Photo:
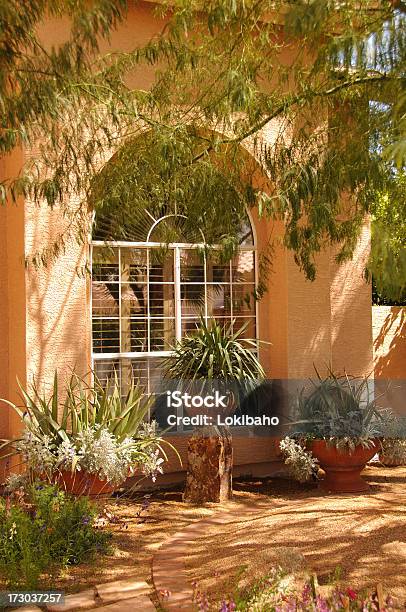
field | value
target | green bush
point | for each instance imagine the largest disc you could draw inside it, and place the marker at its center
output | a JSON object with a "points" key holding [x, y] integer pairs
{"points": [[45, 531]]}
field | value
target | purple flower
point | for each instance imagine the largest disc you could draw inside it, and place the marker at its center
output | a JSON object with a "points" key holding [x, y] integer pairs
{"points": [[306, 593], [321, 604]]}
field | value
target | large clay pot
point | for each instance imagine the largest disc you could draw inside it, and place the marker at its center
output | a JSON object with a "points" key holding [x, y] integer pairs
{"points": [[343, 469], [82, 483]]}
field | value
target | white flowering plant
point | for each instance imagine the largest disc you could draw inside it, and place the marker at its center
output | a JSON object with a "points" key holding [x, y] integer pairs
{"points": [[300, 462], [95, 430]]}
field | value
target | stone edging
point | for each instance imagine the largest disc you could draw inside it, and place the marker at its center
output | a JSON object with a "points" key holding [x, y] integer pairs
{"points": [[120, 595], [168, 567]]}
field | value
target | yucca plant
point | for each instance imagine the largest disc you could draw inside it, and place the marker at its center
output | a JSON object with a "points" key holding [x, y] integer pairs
{"points": [[215, 352]]}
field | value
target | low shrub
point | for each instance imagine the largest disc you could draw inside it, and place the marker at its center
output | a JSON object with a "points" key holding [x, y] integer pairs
{"points": [[43, 531]]}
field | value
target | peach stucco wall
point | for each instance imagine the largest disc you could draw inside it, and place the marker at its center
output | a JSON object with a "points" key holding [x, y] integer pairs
{"points": [[12, 301], [57, 309], [389, 334], [44, 314]]}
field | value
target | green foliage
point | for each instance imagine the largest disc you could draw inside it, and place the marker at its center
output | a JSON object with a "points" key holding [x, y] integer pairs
{"points": [[212, 62], [387, 263], [161, 178], [44, 532], [88, 427], [214, 352], [340, 409], [78, 405]]}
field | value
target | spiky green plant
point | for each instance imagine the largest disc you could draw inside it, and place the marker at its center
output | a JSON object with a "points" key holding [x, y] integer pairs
{"points": [[82, 405], [214, 352], [341, 410]]}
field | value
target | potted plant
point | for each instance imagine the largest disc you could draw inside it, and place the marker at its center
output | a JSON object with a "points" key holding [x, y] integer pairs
{"points": [[342, 427], [214, 357], [91, 441], [393, 451]]}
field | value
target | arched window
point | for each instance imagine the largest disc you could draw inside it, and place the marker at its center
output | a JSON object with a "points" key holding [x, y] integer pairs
{"points": [[147, 295]]}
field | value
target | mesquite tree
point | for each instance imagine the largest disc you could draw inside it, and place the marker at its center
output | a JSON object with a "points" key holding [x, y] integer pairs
{"points": [[222, 76]]}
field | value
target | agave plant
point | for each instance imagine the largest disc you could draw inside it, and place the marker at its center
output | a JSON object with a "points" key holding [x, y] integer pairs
{"points": [[92, 428], [340, 409]]}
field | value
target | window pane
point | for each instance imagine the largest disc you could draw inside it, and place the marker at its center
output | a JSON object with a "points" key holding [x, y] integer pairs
{"points": [[106, 336], [134, 335], [147, 371], [218, 300], [243, 299], [161, 300], [161, 264], [191, 266], [249, 322], [105, 264], [192, 299], [217, 271], [133, 299], [133, 265], [162, 333], [105, 299], [243, 267], [189, 326], [106, 370]]}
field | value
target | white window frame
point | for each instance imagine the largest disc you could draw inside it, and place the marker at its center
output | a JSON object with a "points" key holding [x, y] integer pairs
{"points": [[177, 248]]}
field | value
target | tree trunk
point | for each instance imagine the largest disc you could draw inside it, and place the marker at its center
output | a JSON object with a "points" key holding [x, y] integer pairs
{"points": [[210, 465]]}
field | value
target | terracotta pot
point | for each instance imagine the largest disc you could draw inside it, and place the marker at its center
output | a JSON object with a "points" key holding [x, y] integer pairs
{"points": [[388, 461], [343, 469], [82, 483]]}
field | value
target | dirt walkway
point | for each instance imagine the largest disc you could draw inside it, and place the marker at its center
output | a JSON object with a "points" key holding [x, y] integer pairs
{"points": [[360, 538]]}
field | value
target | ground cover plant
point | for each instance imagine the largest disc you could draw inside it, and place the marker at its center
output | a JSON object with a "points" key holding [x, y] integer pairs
{"points": [[42, 531]]}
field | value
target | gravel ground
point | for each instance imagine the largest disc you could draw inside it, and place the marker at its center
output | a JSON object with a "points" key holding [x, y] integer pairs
{"points": [[365, 535], [361, 539]]}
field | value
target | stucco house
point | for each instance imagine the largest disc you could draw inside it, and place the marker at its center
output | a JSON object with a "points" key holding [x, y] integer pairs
{"points": [[132, 307]]}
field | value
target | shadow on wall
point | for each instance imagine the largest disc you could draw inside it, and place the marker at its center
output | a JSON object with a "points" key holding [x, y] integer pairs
{"points": [[389, 327]]}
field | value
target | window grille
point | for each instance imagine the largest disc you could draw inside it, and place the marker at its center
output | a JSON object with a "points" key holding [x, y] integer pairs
{"points": [[148, 295]]}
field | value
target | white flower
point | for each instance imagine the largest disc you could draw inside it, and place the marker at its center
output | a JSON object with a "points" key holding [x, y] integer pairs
{"points": [[13, 531], [301, 463], [15, 482], [38, 452], [95, 450], [66, 454]]}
